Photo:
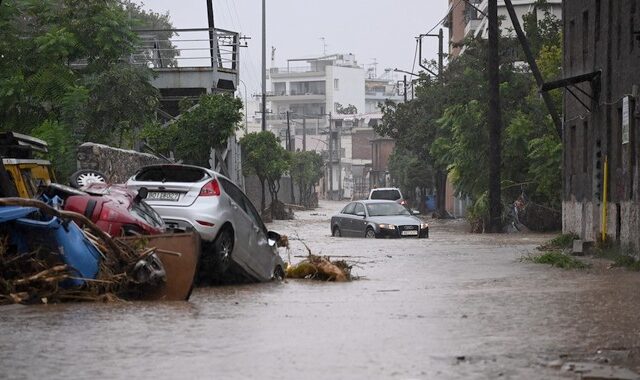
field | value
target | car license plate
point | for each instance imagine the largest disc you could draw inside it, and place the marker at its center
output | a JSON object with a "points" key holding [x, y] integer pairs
{"points": [[410, 233], [162, 196]]}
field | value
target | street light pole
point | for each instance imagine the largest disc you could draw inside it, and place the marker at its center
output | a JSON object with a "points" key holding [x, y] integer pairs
{"points": [[246, 106], [264, 66], [330, 158], [405, 88]]}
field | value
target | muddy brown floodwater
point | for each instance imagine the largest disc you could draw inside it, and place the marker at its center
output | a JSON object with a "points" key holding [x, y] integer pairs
{"points": [[456, 305]]}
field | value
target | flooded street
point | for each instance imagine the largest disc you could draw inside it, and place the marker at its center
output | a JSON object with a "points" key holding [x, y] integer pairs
{"points": [[452, 306]]}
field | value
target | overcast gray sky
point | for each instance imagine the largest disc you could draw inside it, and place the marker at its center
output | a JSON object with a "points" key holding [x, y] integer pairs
{"points": [[383, 30]]}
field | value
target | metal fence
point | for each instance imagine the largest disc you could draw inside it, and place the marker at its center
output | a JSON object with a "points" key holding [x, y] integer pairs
{"points": [[198, 47]]}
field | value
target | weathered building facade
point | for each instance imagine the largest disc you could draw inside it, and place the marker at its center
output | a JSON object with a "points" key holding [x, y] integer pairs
{"points": [[601, 69]]}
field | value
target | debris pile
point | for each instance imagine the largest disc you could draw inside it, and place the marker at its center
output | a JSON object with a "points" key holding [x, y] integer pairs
{"points": [[44, 273], [320, 268]]}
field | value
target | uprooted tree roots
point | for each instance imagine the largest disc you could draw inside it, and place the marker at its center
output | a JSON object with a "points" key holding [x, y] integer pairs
{"points": [[320, 268]]}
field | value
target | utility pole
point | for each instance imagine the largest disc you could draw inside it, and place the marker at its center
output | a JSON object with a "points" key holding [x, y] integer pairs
{"points": [[288, 133], [290, 149], [264, 66], [405, 88], [495, 121], [440, 53], [330, 158], [304, 133]]}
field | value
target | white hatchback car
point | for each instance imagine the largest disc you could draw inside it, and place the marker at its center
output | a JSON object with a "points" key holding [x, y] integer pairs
{"points": [[389, 194], [236, 241]]}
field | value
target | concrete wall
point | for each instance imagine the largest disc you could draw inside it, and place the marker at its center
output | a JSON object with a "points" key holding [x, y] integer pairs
{"points": [[361, 143], [594, 41], [117, 164], [585, 220], [350, 87]]}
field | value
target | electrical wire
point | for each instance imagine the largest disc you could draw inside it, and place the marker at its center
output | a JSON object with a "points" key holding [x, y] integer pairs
{"points": [[415, 58]]}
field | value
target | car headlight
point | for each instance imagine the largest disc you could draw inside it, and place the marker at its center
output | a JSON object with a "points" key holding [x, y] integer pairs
{"points": [[388, 226], [424, 226]]}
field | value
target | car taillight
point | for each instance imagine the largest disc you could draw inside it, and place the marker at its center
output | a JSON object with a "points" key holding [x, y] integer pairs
{"points": [[212, 188], [403, 202]]}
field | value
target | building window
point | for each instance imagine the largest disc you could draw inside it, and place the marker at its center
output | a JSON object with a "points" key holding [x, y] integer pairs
{"points": [[597, 26], [632, 35], [336, 84], [574, 147], [572, 35], [585, 38], [619, 30], [585, 146]]}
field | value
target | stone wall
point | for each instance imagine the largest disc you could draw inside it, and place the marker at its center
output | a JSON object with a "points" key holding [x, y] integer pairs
{"points": [[117, 164]]}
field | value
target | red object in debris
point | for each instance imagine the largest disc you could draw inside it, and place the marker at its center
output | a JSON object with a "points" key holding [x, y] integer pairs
{"points": [[116, 210]]}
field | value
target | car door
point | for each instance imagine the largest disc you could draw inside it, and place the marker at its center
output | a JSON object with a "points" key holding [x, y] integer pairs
{"points": [[263, 255], [242, 224], [346, 220], [359, 220]]}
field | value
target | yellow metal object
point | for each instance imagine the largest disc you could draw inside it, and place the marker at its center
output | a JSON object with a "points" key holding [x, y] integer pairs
{"points": [[604, 198], [28, 174]]}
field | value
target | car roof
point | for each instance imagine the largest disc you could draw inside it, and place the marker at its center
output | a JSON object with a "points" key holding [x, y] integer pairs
{"points": [[385, 188], [370, 201]]}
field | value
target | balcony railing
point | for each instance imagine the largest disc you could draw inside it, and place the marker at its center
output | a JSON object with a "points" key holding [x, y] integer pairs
{"points": [[188, 48], [295, 70]]}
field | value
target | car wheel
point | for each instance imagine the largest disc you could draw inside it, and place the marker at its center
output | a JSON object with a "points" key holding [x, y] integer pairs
{"points": [[223, 248], [370, 234], [278, 273], [336, 232], [84, 177]]}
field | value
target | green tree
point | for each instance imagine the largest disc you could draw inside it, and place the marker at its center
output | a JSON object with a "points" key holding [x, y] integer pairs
{"points": [[66, 62], [156, 47], [207, 124], [348, 110], [265, 158], [306, 170], [446, 125]]}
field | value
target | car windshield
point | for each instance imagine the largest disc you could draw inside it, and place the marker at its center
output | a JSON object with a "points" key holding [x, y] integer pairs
{"points": [[386, 209], [145, 212], [391, 194], [171, 174]]}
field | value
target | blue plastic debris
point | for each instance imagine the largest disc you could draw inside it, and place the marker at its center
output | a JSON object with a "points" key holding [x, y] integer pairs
{"points": [[60, 237]]}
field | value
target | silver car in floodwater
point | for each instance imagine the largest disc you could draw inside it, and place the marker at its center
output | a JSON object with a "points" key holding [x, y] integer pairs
{"points": [[378, 219], [236, 242]]}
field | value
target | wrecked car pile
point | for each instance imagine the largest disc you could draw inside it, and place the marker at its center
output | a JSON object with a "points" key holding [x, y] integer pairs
{"points": [[46, 257]]}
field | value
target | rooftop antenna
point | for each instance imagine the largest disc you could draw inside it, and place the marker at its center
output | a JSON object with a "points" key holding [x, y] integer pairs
{"points": [[324, 46], [375, 67], [273, 56]]}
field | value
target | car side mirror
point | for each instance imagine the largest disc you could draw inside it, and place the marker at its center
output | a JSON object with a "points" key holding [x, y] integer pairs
{"points": [[142, 194], [273, 238], [361, 213], [415, 212]]}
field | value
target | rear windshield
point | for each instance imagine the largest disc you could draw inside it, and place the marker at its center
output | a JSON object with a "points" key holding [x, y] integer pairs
{"points": [[171, 174], [392, 195]]}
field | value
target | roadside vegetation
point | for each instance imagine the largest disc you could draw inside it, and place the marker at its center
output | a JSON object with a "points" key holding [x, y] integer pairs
{"points": [[556, 252], [558, 259], [445, 126], [564, 241]]}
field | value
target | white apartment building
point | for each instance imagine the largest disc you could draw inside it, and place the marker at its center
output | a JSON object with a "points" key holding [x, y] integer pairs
{"points": [[312, 90]]}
